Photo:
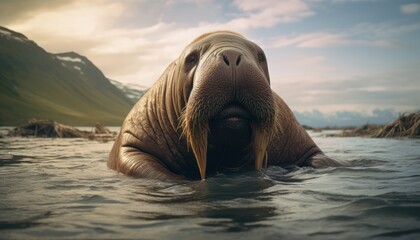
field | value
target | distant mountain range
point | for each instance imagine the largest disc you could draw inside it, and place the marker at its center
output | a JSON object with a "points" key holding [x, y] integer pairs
{"points": [[64, 87], [315, 118]]}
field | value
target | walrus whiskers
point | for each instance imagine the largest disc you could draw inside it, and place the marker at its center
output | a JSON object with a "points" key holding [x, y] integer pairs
{"points": [[195, 128]]}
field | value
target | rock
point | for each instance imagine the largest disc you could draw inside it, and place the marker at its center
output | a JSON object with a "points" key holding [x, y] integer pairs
{"points": [[47, 128]]}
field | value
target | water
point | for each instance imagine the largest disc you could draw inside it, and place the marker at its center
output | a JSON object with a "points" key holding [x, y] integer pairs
{"points": [[62, 189]]}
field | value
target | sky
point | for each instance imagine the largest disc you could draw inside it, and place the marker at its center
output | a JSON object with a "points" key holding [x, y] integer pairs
{"points": [[337, 55]]}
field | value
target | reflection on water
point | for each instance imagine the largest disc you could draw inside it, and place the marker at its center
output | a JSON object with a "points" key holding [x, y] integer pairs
{"points": [[61, 188]]}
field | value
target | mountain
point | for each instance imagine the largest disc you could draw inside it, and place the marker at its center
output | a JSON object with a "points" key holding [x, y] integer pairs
{"points": [[315, 118], [64, 87], [131, 90]]}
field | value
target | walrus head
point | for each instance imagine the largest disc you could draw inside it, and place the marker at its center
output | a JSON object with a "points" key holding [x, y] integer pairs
{"points": [[226, 88]]}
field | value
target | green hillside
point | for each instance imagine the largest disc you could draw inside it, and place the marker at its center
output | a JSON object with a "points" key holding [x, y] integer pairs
{"points": [[66, 87]]}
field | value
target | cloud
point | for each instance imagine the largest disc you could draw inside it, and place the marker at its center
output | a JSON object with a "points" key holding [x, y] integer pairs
{"points": [[13, 11], [312, 60], [310, 40], [121, 52], [267, 13], [410, 8], [140, 52], [134, 41], [382, 30], [363, 34], [325, 39], [76, 20], [393, 89]]}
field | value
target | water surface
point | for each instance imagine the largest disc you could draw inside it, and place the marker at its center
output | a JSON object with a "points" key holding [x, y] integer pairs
{"points": [[61, 188]]}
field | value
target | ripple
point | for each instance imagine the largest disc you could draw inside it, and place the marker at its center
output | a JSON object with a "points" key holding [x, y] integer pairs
{"points": [[326, 233], [401, 233], [93, 198], [395, 211], [25, 223], [60, 188], [11, 159]]}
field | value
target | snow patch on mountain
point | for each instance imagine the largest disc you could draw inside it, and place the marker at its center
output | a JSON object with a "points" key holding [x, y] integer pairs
{"points": [[133, 91], [70, 59], [79, 69], [13, 35], [5, 32]]}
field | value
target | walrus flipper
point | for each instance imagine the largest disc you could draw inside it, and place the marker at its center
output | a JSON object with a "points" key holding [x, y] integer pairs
{"points": [[143, 165], [320, 160], [126, 157]]}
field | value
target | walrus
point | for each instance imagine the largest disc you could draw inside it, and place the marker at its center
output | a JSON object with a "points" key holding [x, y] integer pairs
{"points": [[212, 110]]}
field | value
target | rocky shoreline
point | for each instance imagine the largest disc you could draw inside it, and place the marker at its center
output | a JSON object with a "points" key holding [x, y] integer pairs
{"points": [[51, 129], [406, 125]]}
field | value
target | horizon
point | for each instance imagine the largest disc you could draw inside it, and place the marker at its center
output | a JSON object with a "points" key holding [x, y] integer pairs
{"points": [[327, 56]]}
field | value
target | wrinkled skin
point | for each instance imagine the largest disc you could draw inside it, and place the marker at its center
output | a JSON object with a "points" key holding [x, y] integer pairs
{"points": [[211, 111]]}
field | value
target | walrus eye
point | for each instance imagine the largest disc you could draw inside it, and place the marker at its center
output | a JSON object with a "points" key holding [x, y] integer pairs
{"points": [[261, 57], [192, 59]]}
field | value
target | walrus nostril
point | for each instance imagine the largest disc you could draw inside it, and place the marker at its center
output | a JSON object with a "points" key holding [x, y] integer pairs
{"points": [[226, 59], [238, 60]]}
